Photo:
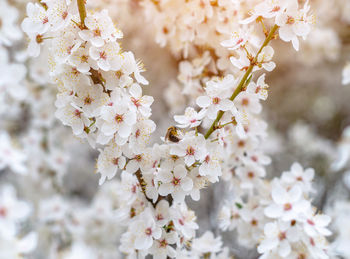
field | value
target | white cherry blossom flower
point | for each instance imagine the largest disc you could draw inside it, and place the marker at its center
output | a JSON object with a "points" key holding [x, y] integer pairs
{"points": [[117, 118], [141, 103], [278, 239], [109, 161], [293, 23], [100, 28], [107, 56], [130, 66], [207, 243], [90, 99], [217, 96], [161, 248], [176, 183], [184, 220], [247, 102], [37, 20], [146, 229], [190, 119], [191, 148], [73, 116], [237, 40], [298, 176], [59, 12], [317, 225], [265, 57], [81, 60], [266, 9], [141, 134], [287, 204], [260, 88], [162, 213]]}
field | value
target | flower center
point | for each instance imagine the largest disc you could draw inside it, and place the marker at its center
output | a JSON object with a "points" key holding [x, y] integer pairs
{"points": [[64, 15], [245, 101], [137, 133], [216, 100], [290, 20], [190, 151], [163, 243], [136, 102], [287, 206], [250, 175], [181, 222], [176, 181], [138, 158], [97, 32], [103, 55], [148, 231], [88, 100], [115, 160], [241, 143], [3, 212], [276, 9], [311, 222], [84, 59], [77, 113], [39, 38], [119, 118], [281, 236]]}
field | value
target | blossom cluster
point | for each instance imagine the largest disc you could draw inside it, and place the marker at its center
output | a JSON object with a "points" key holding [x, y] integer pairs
{"points": [[101, 99]]}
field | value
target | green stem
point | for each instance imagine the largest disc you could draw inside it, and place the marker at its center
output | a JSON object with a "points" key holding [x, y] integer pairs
{"points": [[82, 11], [242, 82]]}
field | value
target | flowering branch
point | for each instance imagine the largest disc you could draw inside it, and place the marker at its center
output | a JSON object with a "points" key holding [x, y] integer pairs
{"points": [[243, 80]]}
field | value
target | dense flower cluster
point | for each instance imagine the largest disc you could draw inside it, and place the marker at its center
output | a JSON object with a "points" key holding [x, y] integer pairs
{"points": [[225, 55]]}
